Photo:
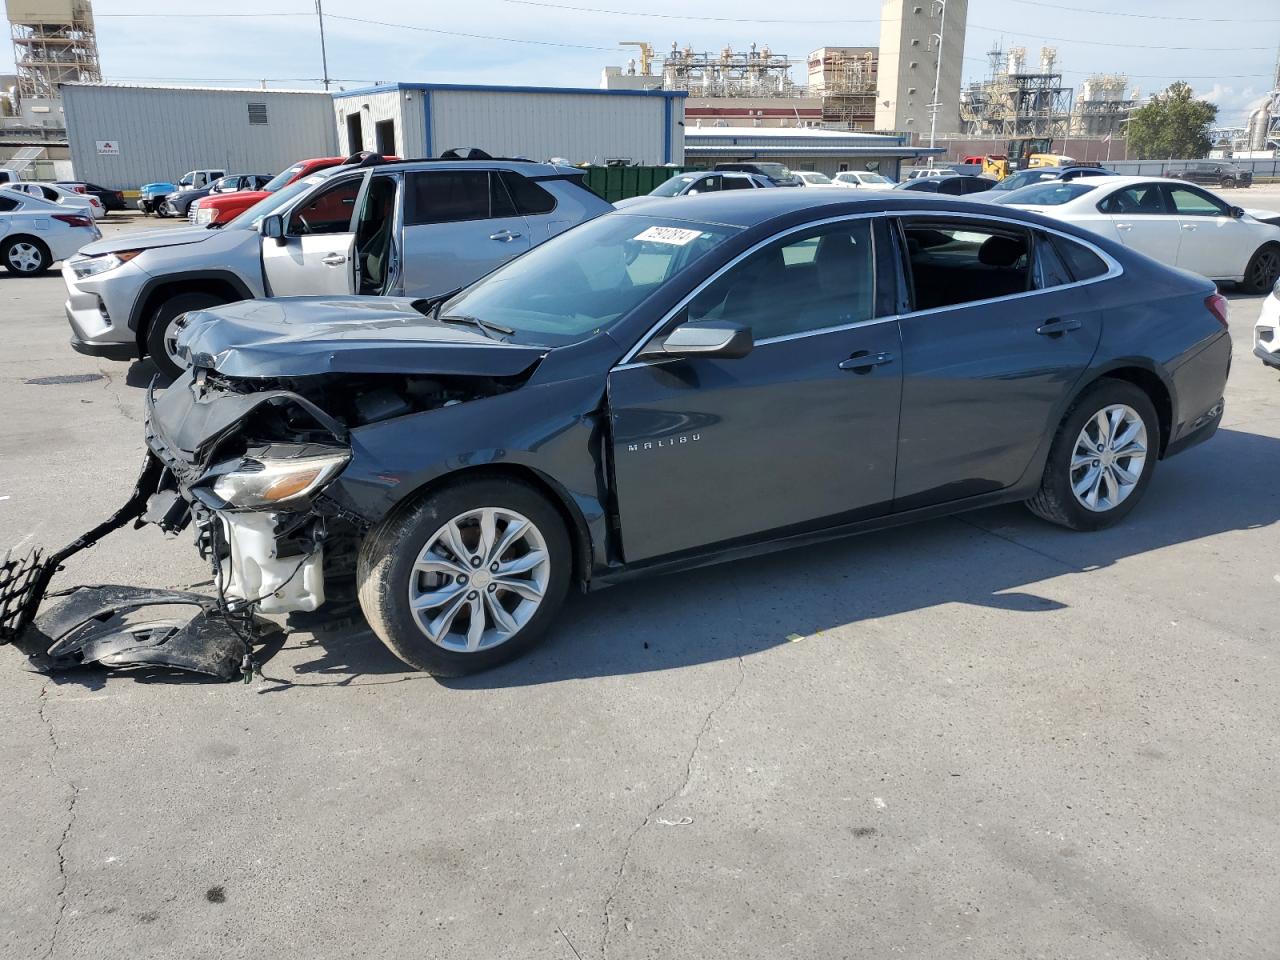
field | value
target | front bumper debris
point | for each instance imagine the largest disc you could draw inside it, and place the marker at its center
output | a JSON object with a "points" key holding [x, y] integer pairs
{"points": [[119, 625]]}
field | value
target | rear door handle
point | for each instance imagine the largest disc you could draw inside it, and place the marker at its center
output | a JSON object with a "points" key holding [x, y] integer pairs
{"points": [[506, 236], [1188, 226], [863, 361], [1056, 326], [334, 259]]}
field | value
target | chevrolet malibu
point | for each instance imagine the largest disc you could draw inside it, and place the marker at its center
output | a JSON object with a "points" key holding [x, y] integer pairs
{"points": [[687, 381]]}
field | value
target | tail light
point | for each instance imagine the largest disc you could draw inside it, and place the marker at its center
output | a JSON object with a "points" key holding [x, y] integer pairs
{"points": [[78, 188], [1220, 308], [74, 219]]}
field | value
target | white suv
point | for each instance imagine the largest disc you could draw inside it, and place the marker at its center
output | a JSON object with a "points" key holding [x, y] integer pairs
{"points": [[413, 228]]}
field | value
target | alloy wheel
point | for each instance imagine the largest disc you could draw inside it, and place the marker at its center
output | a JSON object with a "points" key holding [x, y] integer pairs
{"points": [[1266, 269], [1109, 457], [171, 341], [480, 578], [25, 257]]}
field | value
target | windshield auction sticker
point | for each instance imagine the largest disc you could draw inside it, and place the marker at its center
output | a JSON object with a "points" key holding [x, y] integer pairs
{"points": [[672, 235]]}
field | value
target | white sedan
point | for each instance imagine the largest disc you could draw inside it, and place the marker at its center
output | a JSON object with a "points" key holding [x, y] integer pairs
{"points": [[63, 196], [863, 180], [1266, 332], [34, 232], [811, 178], [1178, 223]]}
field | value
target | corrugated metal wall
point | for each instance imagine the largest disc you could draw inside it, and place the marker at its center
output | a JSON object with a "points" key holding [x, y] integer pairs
{"points": [[404, 108], [163, 132], [578, 126]]}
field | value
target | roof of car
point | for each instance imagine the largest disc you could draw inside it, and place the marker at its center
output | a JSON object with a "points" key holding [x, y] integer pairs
{"points": [[749, 208]]}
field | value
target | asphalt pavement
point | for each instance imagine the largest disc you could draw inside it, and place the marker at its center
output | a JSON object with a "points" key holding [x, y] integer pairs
{"points": [[979, 737]]}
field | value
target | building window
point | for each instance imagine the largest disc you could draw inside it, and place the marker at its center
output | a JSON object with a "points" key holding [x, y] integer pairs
{"points": [[257, 114]]}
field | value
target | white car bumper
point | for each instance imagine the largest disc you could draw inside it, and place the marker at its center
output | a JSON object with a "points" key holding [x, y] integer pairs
{"points": [[1266, 334]]}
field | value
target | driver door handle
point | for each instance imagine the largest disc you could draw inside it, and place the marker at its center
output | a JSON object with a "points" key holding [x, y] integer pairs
{"points": [[1056, 326], [334, 259], [506, 236], [863, 361], [1188, 226]]}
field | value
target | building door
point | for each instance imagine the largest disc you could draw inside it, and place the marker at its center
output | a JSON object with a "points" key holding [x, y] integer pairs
{"points": [[355, 134], [384, 135]]}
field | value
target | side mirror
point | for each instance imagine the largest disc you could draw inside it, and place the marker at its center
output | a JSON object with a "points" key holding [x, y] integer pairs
{"points": [[273, 227], [714, 339], [1237, 213]]}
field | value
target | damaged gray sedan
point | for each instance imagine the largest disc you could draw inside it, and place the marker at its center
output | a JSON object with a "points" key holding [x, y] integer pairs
{"points": [[681, 383]]}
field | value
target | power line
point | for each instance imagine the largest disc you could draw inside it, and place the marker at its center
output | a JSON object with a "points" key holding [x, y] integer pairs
{"points": [[1148, 16], [675, 16], [179, 16], [472, 36], [1103, 43]]}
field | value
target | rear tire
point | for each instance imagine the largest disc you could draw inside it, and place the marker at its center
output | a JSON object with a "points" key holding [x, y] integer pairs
{"points": [[1085, 464], [161, 331], [1263, 270], [25, 256], [411, 581]]}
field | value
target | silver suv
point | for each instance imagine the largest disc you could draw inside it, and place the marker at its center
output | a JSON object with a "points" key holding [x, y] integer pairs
{"points": [[371, 226]]}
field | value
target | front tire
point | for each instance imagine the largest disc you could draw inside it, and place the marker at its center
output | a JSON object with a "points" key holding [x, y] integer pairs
{"points": [[1227, 183], [467, 577], [25, 257], [1102, 458], [1263, 270], [163, 329]]}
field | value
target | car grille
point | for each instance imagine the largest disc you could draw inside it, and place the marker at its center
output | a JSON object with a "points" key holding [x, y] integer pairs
{"points": [[1265, 335], [191, 212]]}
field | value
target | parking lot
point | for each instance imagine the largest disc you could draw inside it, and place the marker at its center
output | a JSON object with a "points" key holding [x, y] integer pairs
{"points": [[976, 737]]}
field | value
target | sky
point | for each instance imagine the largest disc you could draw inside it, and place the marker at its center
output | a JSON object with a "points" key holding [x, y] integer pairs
{"points": [[1229, 61]]}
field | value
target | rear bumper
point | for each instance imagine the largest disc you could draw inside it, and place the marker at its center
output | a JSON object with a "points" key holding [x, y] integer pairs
{"points": [[1199, 431]]}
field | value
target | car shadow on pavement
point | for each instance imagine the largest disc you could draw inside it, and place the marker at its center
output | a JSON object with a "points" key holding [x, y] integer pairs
{"points": [[989, 558]]}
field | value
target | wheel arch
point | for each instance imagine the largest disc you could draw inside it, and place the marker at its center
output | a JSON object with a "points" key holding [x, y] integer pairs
{"points": [[1146, 379], [560, 498], [154, 293]]}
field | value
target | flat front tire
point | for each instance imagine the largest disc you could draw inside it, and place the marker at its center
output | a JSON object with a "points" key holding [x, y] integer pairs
{"points": [[467, 577], [162, 332], [1102, 458]]}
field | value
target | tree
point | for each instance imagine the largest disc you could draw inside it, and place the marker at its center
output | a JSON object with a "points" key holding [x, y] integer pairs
{"points": [[1172, 125]]}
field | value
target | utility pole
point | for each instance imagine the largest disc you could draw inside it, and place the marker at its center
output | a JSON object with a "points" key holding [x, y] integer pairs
{"points": [[937, 78], [324, 56]]}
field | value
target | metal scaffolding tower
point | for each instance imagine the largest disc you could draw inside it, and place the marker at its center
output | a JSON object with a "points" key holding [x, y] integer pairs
{"points": [[1015, 102], [53, 42]]}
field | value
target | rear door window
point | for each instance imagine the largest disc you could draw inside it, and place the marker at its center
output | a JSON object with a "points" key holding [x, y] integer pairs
{"points": [[447, 196], [1083, 262], [1049, 271], [1143, 198], [954, 263]]}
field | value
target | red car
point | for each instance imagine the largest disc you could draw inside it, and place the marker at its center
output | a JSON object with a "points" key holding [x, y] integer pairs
{"points": [[219, 210]]}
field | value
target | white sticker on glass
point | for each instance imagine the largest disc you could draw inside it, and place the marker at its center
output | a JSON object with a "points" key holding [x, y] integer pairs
{"points": [[672, 235]]}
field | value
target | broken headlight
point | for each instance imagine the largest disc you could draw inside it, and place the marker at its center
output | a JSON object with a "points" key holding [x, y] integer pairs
{"points": [[271, 478]]}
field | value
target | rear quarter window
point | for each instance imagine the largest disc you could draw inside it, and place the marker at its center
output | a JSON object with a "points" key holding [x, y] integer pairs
{"points": [[1083, 263], [531, 200]]}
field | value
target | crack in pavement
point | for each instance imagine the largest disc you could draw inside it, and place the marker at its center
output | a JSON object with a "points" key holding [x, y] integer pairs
{"points": [[66, 831], [649, 817]]}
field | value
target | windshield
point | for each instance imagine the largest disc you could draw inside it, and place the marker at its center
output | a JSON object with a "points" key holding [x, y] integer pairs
{"points": [[273, 202], [814, 177], [873, 178], [1051, 194], [282, 178], [673, 186], [585, 280]]}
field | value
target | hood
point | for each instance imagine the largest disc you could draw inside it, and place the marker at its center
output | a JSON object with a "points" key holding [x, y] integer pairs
{"points": [[305, 336], [241, 198], [148, 240]]}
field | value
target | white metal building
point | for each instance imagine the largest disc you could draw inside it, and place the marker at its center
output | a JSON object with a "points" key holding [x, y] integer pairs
{"points": [[124, 135], [581, 125], [826, 151]]}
